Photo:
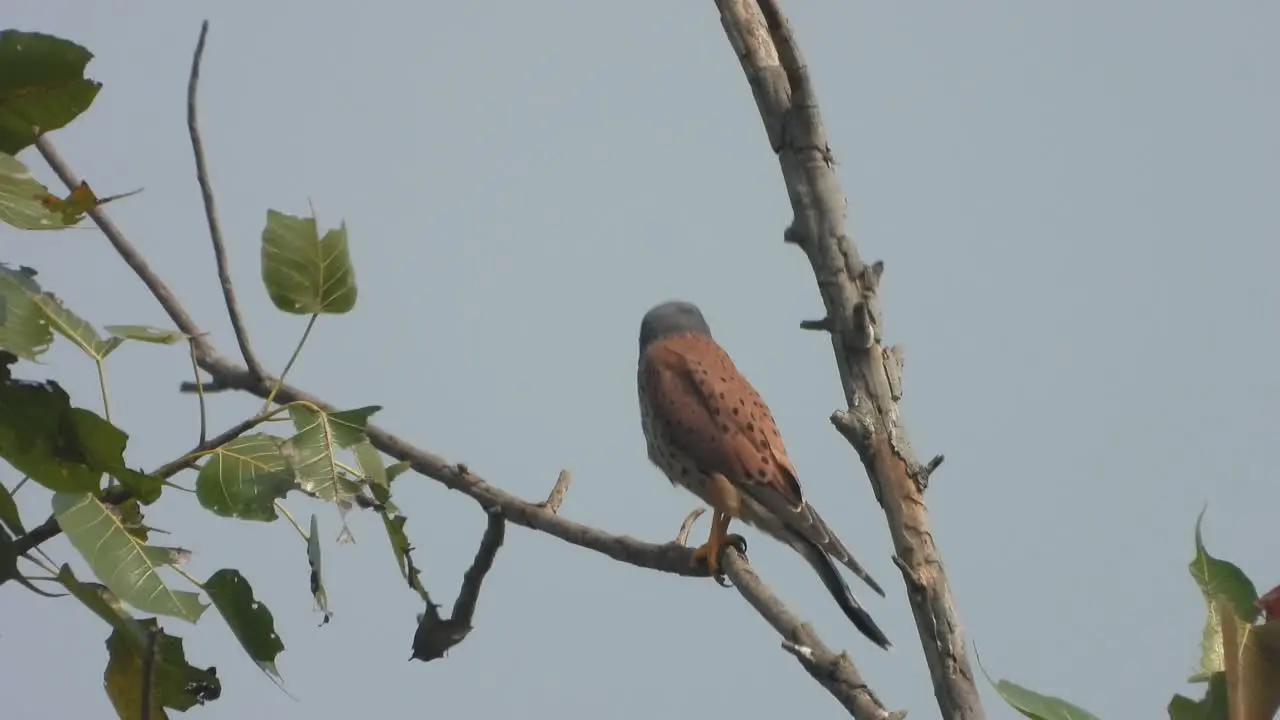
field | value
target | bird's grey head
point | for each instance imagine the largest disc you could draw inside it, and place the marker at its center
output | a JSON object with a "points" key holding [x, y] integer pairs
{"points": [[671, 318]]}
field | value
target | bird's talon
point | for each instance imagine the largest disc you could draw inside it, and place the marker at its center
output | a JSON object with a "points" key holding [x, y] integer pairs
{"points": [[722, 581], [705, 556], [737, 542]]}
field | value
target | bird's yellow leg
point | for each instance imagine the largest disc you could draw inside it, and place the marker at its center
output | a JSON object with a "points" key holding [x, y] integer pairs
{"points": [[709, 552]]}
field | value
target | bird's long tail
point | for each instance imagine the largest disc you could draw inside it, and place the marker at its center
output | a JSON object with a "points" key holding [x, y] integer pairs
{"points": [[836, 585]]}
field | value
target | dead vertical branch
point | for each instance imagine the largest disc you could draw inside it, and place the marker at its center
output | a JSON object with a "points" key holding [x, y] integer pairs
{"points": [[783, 91]]}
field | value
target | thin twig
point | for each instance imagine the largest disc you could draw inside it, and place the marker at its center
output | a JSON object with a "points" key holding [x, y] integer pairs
{"points": [[211, 213]]}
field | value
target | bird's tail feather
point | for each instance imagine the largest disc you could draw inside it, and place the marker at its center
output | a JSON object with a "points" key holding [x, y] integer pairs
{"points": [[836, 585]]}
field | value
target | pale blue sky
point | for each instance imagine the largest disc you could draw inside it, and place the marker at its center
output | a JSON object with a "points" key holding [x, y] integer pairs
{"points": [[1076, 203]]}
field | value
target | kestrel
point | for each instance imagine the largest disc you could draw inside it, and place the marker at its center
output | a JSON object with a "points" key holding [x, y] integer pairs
{"points": [[709, 432]]}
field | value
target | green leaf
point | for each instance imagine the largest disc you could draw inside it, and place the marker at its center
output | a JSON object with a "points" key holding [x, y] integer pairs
{"points": [[145, 488], [244, 478], [174, 682], [59, 318], [311, 450], [130, 514], [370, 461], [58, 446], [1213, 706], [104, 604], [1039, 707], [23, 329], [317, 579], [403, 552], [304, 273], [395, 470], [9, 512], [1218, 579], [145, 333], [126, 565], [249, 619], [42, 86], [23, 201], [75, 328]]}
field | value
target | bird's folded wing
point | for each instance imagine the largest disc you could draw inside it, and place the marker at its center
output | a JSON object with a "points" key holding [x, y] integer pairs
{"points": [[717, 419]]}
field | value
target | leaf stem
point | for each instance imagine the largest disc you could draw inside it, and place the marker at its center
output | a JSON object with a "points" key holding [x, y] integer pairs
{"points": [[195, 370], [188, 577], [296, 351], [106, 405], [289, 516], [102, 385]]}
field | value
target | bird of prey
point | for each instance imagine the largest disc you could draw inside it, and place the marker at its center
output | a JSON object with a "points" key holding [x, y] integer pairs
{"points": [[709, 432]]}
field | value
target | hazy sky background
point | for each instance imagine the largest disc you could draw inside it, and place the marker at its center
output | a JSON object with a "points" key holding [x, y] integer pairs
{"points": [[1076, 204]]}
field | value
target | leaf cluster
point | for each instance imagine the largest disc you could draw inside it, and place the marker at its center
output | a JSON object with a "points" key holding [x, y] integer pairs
{"points": [[97, 497]]}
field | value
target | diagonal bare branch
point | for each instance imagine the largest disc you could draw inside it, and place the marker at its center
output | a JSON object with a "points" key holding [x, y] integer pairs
{"points": [[836, 673], [869, 372], [211, 212]]}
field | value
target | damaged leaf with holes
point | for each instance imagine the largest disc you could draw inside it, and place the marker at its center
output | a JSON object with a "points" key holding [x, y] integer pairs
{"points": [[175, 683], [42, 88], [312, 450], [249, 619]]}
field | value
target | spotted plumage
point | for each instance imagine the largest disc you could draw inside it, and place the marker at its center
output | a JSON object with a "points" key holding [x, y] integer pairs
{"points": [[709, 432]]}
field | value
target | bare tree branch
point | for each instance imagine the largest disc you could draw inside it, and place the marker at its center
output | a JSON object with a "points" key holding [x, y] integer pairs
{"points": [[211, 212], [836, 673], [436, 635], [869, 372], [464, 608], [177, 313]]}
